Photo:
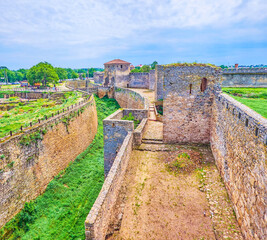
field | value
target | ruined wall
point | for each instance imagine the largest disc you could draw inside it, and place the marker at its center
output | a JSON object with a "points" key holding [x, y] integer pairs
{"points": [[99, 77], [139, 80], [130, 99], [102, 213], [29, 161], [152, 80], [187, 109], [159, 76], [77, 84], [245, 77], [238, 143], [115, 131]]}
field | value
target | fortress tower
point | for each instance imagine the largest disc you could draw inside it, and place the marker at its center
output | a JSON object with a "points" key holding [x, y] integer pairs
{"points": [[188, 92], [117, 73]]}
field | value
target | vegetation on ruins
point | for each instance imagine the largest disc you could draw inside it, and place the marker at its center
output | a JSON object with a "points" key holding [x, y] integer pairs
{"points": [[23, 113], [130, 117], [61, 211], [185, 64], [154, 64], [255, 98], [159, 109]]}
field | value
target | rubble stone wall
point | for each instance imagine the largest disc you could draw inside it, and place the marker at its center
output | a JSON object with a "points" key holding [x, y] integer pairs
{"points": [[238, 143], [187, 109], [30, 160], [139, 80]]}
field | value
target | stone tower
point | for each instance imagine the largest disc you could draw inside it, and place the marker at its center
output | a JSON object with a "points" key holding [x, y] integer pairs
{"points": [[117, 73], [188, 92]]}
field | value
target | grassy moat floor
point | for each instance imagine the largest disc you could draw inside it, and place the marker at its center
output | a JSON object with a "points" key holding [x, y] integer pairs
{"points": [[255, 98], [60, 212]]}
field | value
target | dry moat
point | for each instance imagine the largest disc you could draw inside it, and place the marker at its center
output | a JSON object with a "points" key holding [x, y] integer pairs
{"points": [[173, 192]]}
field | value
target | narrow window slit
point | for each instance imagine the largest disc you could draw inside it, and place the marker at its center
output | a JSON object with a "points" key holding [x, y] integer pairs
{"points": [[190, 88], [257, 132], [204, 84], [246, 122]]}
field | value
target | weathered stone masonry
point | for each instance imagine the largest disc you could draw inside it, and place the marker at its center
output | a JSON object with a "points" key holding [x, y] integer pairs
{"points": [[238, 142], [119, 138], [245, 77], [31, 160], [187, 107], [139, 80], [237, 134]]}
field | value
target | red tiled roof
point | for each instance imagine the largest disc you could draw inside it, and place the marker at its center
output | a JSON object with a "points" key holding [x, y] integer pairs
{"points": [[116, 61]]}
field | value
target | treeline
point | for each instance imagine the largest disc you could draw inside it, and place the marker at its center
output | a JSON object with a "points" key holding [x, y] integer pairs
{"points": [[12, 76], [145, 68]]}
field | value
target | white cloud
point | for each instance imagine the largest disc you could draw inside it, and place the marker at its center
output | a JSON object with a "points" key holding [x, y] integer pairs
{"points": [[96, 24]]}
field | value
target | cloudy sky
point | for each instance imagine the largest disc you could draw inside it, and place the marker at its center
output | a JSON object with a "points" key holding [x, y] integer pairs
{"points": [[87, 33]]}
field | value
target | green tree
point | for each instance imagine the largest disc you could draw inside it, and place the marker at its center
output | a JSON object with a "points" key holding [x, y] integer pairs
{"points": [[19, 76], [62, 73], [43, 73], [24, 72], [135, 70], [145, 68], [153, 65], [74, 75]]}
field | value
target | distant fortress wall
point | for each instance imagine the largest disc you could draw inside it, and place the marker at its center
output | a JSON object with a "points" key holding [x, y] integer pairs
{"points": [[245, 77]]}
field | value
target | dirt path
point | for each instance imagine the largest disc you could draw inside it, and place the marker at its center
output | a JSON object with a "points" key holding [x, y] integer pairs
{"points": [[174, 192]]}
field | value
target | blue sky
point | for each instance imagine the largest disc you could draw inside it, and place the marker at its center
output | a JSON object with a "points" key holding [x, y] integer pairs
{"points": [[87, 33]]}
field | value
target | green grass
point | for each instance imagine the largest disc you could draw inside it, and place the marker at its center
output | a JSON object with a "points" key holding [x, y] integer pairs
{"points": [[10, 86], [23, 113], [61, 211], [254, 98]]}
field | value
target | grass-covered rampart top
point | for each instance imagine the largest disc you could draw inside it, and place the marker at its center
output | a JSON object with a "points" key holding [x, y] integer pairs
{"points": [[194, 64], [60, 212], [255, 98], [23, 113]]}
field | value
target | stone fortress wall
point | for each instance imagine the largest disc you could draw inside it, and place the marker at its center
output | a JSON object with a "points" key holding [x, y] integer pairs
{"points": [[152, 79], [230, 78], [119, 139], [238, 143], [32, 158], [245, 77], [187, 107], [238, 138], [237, 134], [139, 80], [98, 77]]}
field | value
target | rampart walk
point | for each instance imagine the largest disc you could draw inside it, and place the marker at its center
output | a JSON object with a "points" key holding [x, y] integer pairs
{"points": [[32, 158]]}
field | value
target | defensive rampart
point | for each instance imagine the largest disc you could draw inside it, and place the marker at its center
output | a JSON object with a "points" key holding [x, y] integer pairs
{"points": [[119, 139], [238, 142], [139, 80], [30, 159], [187, 102], [128, 98], [245, 77]]}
